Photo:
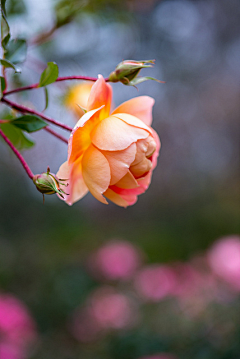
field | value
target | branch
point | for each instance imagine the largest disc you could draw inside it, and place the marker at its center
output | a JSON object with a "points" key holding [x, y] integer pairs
{"points": [[55, 134], [18, 154], [25, 109], [65, 78]]}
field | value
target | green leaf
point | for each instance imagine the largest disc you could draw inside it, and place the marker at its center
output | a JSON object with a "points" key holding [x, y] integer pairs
{"points": [[16, 7], [49, 75], [7, 63], [2, 85], [139, 80], [29, 123], [5, 30], [16, 136], [46, 98], [16, 51]]}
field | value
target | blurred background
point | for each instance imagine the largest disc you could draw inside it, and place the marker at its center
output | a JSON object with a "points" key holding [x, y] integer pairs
{"points": [[161, 279]]}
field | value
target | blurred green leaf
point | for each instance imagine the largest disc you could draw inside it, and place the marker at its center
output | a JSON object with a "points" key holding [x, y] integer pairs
{"points": [[29, 123], [49, 75], [16, 7], [16, 51], [5, 30], [46, 98], [2, 85], [9, 64], [16, 136]]}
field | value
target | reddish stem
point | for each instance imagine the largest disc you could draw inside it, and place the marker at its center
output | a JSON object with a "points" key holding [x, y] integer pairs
{"points": [[18, 154], [65, 78], [55, 134], [24, 109]]}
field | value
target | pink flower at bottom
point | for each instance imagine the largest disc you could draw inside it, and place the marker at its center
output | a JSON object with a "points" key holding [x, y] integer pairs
{"points": [[160, 356]]}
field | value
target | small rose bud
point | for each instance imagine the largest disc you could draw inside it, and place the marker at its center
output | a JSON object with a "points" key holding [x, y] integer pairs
{"points": [[127, 71], [49, 183]]}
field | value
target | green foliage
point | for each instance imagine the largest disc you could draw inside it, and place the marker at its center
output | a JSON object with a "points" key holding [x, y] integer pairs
{"points": [[29, 123], [46, 98], [49, 75], [16, 7], [16, 51], [7, 63], [2, 85], [5, 30], [16, 136]]}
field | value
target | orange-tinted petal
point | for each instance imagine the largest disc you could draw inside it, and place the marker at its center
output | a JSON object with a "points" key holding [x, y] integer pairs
{"points": [[96, 172], [141, 107], [120, 161], [141, 168], [133, 121], [128, 181], [115, 198], [113, 134], [101, 94], [76, 188], [80, 136]]}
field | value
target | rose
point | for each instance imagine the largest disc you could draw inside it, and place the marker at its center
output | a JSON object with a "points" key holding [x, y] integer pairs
{"points": [[111, 156]]}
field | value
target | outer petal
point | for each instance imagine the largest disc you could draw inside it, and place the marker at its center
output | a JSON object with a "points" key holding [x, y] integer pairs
{"points": [[80, 136], [158, 146], [141, 107], [113, 134], [133, 121], [101, 94], [115, 198], [76, 188], [96, 172], [120, 161]]}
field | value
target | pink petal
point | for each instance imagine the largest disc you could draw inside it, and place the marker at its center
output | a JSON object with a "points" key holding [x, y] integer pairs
{"points": [[115, 198], [128, 181], [158, 146], [96, 172], [141, 107], [101, 94], [80, 136], [113, 134], [76, 188], [133, 121], [120, 161]]}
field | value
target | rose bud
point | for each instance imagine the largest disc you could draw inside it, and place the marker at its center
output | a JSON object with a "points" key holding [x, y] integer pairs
{"points": [[112, 156], [127, 71], [49, 183]]}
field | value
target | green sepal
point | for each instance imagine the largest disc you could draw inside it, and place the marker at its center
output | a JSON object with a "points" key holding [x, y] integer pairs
{"points": [[139, 80]]}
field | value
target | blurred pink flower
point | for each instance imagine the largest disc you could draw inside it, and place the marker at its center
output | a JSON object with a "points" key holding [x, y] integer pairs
{"points": [[224, 260], [117, 259], [154, 282], [17, 329], [112, 309], [105, 310]]}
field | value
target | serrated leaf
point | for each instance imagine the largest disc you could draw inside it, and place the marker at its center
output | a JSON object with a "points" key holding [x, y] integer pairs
{"points": [[16, 51], [16, 136], [49, 75], [7, 63], [139, 80], [29, 123], [46, 98], [2, 85]]}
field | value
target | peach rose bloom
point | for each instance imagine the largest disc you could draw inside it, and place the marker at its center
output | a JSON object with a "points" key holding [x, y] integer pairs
{"points": [[112, 156]]}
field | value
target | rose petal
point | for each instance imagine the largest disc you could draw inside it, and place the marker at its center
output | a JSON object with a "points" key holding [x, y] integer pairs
{"points": [[115, 198], [96, 172], [76, 188], [141, 168], [141, 107], [101, 94], [158, 146], [80, 136], [133, 121], [113, 134], [120, 161], [128, 181]]}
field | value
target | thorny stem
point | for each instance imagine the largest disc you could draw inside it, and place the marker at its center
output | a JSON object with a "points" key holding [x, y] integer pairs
{"points": [[18, 154], [55, 134], [65, 78], [25, 109]]}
